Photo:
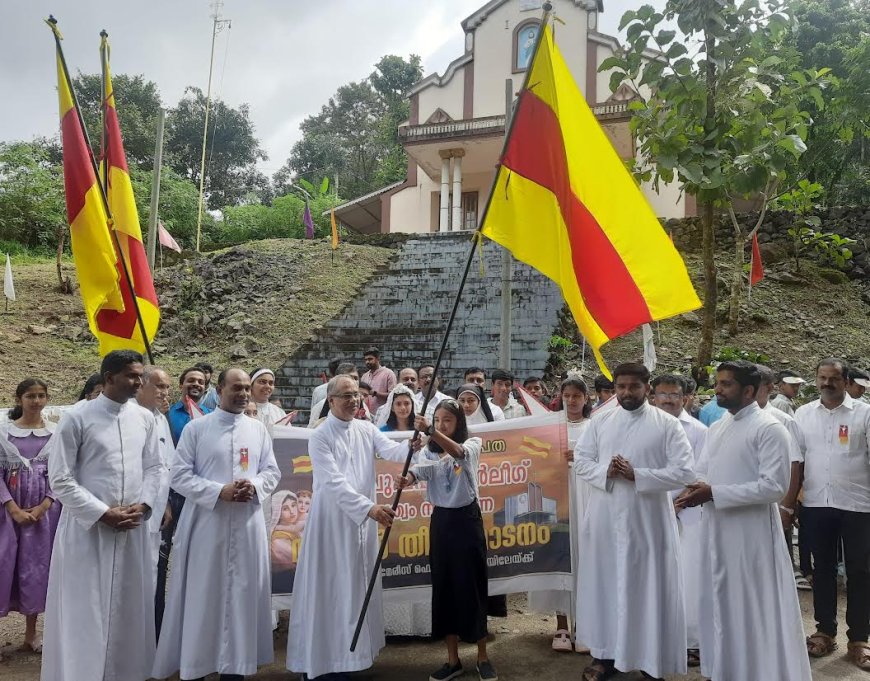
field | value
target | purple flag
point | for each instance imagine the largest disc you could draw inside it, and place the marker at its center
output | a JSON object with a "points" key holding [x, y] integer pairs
{"points": [[308, 222]]}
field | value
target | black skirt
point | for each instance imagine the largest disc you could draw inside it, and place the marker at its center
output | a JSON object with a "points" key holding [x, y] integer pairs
{"points": [[457, 554]]}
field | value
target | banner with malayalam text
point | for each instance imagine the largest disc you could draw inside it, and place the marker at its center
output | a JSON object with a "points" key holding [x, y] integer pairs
{"points": [[523, 484]]}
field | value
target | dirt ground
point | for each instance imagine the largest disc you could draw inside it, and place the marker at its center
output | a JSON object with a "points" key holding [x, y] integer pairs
{"points": [[520, 651]]}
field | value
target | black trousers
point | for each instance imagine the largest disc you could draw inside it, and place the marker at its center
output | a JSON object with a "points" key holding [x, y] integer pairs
{"points": [[825, 527], [176, 503]]}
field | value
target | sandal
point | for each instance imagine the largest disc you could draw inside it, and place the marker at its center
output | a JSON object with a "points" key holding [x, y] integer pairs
{"points": [[693, 657], [562, 641], [859, 654], [31, 647], [820, 644], [598, 671], [802, 583]]}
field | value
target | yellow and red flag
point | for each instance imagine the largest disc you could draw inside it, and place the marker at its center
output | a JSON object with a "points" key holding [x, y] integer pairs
{"points": [[90, 240], [118, 328], [564, 203]]}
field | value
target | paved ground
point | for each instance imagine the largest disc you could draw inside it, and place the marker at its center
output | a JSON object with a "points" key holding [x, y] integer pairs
{"points": [[520, 651]]}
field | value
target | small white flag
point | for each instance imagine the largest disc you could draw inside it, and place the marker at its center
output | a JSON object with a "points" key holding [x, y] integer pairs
{"points": [[649, 349], [8, 285]]}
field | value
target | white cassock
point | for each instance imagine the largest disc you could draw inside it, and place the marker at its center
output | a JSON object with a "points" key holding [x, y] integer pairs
{"points": [[562, 602], [99, 615], [338, 551], [689, 523], [751, 626], [167, 452], [220, 586], [630, 590]]}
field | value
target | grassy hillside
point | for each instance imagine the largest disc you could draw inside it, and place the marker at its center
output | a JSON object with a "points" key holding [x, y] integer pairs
{"points": [[255, 304], [252, 304]]}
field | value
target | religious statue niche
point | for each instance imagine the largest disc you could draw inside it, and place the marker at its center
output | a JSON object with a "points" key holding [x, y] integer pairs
{"points": [[525, 36]]}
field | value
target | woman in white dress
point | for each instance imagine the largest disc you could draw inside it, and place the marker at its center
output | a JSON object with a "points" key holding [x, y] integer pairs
{"points": [[577, 407]]}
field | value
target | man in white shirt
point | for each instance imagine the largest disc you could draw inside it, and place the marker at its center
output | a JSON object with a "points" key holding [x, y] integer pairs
{"points": [[344, 369], [789, 505], [218, 607], [836, 507], [153, 395], [424, 380], [319, 393], [606, 395], [750, 618], [857, 383], [502, 397], [630, 608], [341, 542], [670, 396], [105, 468]]}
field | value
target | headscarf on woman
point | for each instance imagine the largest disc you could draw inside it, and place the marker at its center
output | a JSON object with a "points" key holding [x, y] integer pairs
{"points": [[483, 414], [383, 415]]}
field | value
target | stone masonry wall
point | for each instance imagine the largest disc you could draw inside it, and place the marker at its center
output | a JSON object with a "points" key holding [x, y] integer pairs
{"points": [[403, 310]]}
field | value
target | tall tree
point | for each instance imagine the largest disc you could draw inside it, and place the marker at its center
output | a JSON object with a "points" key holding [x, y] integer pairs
{"points": [[837, 33], [138, 104], [355, 135], [232, 150], [32, 208], [724, 117]]}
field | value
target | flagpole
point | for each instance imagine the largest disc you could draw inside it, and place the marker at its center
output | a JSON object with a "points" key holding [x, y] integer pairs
{"points": [[52, 22], [476, 237], [751, 268]]}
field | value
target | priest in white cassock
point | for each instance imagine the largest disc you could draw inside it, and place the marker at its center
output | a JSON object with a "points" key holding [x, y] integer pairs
{"points": [[340, 545], [105, 469], [154, 395], [630, 609], [751, 625], [670, 396], [218, 607]]}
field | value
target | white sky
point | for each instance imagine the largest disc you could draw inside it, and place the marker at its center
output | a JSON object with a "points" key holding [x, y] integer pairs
{"points": [[284, 57]]}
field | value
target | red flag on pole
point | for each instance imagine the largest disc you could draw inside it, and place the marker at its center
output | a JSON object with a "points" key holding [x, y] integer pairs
{"points": [[756, 273]]}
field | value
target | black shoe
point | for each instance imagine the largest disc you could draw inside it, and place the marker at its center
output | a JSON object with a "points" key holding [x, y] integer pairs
{"points": [[446, 672], [486, 671]]}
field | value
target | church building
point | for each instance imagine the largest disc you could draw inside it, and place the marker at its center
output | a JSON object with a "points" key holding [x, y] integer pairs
{"points": [[456, 128]]}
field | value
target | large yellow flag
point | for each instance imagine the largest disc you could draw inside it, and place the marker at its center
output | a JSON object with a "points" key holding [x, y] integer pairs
{"points": [[564, 203], [91, 243], [119, 329]]}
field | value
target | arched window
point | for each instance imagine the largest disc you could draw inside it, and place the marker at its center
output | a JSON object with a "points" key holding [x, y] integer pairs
{"points": [[525, 35]]}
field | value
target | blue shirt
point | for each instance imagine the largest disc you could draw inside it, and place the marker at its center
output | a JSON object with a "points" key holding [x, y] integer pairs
{"points": [[178, 418], [210, 400], [711, 412]]}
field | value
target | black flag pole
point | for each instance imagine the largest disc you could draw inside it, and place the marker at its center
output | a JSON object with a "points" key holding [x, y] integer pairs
{"points": [[476, 237], [377, 569], [52, 23]]}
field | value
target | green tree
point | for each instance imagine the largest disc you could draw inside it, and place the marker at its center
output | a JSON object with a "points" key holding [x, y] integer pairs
{"points": [[355, 135], [138, 103], [837, 33], [32, 207], [232, 150], [724, 118], [178, 205]]}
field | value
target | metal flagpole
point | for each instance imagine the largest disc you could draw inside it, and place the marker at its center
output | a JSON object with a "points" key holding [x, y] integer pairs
{"points": [[218, 6], [155, 189], [477, 236], [52, 23], [506, 261]]}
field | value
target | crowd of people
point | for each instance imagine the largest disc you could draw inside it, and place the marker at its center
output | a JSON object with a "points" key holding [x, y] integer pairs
{"points": [[146, 530]]}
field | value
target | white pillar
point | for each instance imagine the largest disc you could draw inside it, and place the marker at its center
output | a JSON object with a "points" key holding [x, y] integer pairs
{"points": [[457, 189], [444, 219]]}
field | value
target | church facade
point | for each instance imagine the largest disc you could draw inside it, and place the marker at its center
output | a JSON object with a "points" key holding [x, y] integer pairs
{"points": [[456, 128]]}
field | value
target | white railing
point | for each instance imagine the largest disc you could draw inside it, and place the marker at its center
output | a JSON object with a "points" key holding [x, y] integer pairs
{"points": [[610, 109], [451, 128]]}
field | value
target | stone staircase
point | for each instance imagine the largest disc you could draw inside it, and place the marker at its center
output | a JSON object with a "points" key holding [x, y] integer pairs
{"points": [[404, 307]]}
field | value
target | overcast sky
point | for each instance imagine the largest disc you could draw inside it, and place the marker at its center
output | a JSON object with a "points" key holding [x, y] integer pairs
{"points": [[283, 57]]}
